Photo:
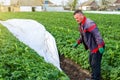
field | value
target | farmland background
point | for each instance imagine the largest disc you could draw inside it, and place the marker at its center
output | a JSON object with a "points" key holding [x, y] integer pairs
{"points": [[65, 30]]}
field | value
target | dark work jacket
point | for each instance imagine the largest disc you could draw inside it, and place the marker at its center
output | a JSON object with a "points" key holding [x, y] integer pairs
{"points": [[90, 35]]}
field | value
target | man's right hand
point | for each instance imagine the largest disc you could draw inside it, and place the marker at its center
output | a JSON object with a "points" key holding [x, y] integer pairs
{"points": [[75, 45]]}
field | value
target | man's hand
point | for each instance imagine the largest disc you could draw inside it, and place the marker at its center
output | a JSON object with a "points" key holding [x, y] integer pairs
{"points": [[101, 50], [75, 45]]}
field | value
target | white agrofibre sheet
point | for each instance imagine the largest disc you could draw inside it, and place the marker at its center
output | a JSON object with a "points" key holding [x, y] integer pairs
{"points": [[34, 34]]}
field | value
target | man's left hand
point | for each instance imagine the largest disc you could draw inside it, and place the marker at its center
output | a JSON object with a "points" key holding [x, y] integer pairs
{"points": [[101, 50]]}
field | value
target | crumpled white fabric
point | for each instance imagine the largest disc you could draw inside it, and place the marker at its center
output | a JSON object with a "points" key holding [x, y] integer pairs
{"points": [[34, 34]]}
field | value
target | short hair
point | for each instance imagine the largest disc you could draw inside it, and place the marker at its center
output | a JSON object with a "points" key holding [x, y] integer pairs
{"points": [[78, 11]]}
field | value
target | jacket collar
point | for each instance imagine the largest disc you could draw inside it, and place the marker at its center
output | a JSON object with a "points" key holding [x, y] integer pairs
{"points": [[83, 21]]}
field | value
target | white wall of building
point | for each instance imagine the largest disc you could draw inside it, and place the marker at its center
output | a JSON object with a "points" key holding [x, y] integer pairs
{"points": [[54, 9], [25, 8], [38, 8], [86, 8], [29, 8]]}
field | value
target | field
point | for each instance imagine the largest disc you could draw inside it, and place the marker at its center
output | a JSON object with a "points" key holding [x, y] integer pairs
{"points": [[65, 30]]}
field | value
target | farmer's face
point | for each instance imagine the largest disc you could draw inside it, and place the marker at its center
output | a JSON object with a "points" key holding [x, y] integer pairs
{"points": [[78, 17]]}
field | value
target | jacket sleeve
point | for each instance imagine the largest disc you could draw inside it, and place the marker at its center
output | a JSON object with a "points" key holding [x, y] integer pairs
{"points": [[79, 40], [96, 34]]}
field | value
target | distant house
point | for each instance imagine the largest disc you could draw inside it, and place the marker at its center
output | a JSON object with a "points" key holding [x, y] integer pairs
{"points": [[21, 5], [114, 5], [49, 6], [4, 5], [117, 4], [26, 5], [101, 2], [89, 5]]}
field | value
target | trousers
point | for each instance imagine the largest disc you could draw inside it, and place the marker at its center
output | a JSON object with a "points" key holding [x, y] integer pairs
{"points": [[95, 64]]}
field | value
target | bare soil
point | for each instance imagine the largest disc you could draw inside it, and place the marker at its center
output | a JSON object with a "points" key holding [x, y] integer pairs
{"points": [[73, 70]]}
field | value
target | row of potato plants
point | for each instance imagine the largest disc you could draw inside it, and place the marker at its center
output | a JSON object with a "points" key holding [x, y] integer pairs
{"points": [[19, 62]]}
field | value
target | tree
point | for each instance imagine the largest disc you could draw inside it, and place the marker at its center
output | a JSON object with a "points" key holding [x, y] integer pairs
{"points": [[72, 4]]}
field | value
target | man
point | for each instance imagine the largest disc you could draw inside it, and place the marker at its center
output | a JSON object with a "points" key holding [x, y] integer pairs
{"points": [[92, 40]]}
